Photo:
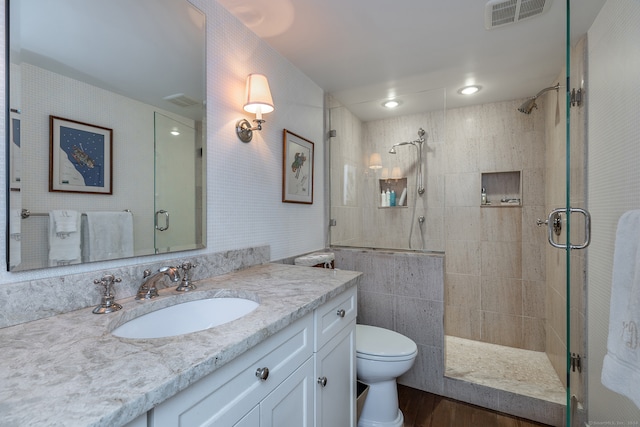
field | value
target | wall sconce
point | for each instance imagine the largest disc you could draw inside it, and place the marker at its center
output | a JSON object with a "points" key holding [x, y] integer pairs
{"points": [[375, 161], [258, 101]]}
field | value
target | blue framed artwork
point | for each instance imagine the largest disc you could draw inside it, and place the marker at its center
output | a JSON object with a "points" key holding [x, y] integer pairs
{"points": [[80, 158]]}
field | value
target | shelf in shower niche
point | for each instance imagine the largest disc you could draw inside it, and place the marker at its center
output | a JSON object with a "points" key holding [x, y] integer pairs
{"points": [[393, 207], [503, 189], [394, 184]]}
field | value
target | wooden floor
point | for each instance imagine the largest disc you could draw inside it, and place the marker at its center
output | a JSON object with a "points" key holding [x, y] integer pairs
{"points": [[423, 409]]}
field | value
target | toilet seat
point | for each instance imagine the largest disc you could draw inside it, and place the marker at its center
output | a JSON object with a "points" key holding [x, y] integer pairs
{"points": [[373, 343]]}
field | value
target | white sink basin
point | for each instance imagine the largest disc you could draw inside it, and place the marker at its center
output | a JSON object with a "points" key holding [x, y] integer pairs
{"points": [[186, 317]]}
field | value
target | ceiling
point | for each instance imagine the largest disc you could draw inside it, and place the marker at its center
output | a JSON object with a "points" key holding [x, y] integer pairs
{"points": [[135, 48], [366, 51]]}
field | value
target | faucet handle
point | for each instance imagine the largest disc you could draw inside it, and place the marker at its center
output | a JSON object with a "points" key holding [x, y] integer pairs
{"points": [[108, 304], [185, 284]]}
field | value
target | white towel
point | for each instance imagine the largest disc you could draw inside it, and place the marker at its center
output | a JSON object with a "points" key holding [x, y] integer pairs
{"points": [[64, 248], [107, 235], [621, 366], [65, 222]]}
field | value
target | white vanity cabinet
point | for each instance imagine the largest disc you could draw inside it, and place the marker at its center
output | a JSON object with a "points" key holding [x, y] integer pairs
{"points": [[335, 361], [319, 345]]}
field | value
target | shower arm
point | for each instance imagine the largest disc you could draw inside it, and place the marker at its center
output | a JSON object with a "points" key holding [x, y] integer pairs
{"points": [[556, 87]]}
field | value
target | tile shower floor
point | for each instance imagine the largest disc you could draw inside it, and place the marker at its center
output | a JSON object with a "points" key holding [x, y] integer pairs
{"points": [[524, 372]]}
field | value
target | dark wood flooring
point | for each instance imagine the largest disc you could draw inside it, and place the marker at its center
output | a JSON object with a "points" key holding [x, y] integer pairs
{"points": [[422, 409]]}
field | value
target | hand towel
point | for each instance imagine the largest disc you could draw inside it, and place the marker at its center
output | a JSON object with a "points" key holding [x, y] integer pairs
{"points": [[107, 235], [65, 222], [621, 366], [64, 248]]}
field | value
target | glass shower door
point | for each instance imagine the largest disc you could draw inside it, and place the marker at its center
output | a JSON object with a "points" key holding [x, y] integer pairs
{"points": [[175, 184]]}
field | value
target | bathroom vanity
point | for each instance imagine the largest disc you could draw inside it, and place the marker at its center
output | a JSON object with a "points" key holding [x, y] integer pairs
{"points": [[290, 362]]}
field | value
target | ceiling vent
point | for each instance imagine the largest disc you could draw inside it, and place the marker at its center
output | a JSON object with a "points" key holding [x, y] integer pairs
{"points": [[503, 12], [181, 99]]}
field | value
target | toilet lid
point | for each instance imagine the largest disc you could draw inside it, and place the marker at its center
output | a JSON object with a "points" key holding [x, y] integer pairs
{"points": [[380, 342]]}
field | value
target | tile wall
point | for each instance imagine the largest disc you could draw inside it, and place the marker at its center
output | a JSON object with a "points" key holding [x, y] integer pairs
{"points": [[495, 262]]}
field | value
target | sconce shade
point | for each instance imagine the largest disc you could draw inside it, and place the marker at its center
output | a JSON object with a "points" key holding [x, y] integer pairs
{"points": [[258, 95], [396, 173], [385, 173], [375, 161]]}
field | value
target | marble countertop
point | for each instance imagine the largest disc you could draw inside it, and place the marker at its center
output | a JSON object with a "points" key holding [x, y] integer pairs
{"points": [[68, 370]]}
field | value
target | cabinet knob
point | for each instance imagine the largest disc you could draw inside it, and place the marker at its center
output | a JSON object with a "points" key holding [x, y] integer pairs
{"points": [[262, 373], [322, 381], [341, 312]]}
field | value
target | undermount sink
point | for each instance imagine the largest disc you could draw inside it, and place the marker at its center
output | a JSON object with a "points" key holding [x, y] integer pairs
{"points": [[186, 317]]}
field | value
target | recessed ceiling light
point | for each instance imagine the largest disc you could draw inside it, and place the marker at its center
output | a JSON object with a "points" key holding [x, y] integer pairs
{"points": [[392, 103], [469, 90]]}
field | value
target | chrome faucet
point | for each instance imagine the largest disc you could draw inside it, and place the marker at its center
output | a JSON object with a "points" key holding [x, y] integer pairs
{"points": [[149, 288]]}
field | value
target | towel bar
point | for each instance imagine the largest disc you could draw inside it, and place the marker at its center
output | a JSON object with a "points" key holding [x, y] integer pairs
{"points": [[26, 213]]}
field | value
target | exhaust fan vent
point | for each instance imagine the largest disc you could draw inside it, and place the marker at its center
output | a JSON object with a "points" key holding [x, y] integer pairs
{"points": [[503, 12], [181, 100]]}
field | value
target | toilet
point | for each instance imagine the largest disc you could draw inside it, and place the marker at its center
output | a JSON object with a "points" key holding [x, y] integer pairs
{"points": [[381, 357]]}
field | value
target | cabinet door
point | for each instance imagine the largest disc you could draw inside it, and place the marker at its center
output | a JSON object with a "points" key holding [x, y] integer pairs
{"points": [[224, 397], [335, 397], [291, 403], [252, 419]]}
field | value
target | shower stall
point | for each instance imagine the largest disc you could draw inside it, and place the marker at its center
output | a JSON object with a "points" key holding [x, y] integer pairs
{"points": [[470, 280], [443, 254]]}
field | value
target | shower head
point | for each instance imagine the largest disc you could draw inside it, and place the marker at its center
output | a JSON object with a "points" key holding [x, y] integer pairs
{"points": [[393, 148], [528, 106], [530, 103], [420, 140]]}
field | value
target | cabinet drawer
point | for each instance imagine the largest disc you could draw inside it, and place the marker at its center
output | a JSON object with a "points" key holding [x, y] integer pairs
{"points": [[334, 315], [225, 396]]}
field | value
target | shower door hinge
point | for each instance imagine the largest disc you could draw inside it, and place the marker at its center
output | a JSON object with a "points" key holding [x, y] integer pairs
{"points": [[332, 222], [576, 97], [576, 362]]}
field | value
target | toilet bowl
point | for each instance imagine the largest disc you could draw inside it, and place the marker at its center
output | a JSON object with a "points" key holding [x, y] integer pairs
{"points": [[381, 357]]}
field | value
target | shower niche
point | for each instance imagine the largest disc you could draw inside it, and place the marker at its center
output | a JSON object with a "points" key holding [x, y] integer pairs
{"points": [[503, 189], [399, 185]]}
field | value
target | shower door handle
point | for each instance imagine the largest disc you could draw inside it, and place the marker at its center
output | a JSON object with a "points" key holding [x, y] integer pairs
{"points": [[554, 226], [166, 220], [587, 228]]}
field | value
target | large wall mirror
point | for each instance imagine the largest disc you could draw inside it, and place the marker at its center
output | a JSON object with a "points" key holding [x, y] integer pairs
{"points": [[106, 130]]}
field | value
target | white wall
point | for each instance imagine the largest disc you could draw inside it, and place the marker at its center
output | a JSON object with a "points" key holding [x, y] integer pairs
{"points": [[244, 205], [614, 180]]}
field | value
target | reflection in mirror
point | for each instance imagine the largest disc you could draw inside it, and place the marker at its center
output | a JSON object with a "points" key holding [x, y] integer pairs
{"points": [[136, 68]]}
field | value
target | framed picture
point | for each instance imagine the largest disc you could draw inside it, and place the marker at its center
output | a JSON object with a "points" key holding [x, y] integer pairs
{"points": [[297, 169], [80, 157]]}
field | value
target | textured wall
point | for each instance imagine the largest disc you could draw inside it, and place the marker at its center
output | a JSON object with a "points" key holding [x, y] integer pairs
{"points": [[614, 181]]}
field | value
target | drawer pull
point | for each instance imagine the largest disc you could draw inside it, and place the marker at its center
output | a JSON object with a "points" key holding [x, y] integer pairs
{"points": [[341, 312], [262, 373], [322, 381]]}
